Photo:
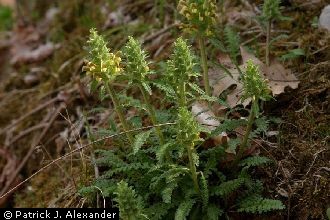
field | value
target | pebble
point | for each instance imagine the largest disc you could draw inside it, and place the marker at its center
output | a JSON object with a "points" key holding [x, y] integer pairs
{"points": [[324, 20]]}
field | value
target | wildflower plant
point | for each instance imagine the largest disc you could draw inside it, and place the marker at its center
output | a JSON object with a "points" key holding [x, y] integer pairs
{"points": [[256, 88], [270, 12], [200, 19], [181, 179], [104, 67], [137, 70]]}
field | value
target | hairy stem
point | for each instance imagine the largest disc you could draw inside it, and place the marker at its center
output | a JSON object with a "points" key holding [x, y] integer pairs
{"points": [[204, 66], [268, 41], [152, 114], [182, 94], [247, 132], [119, 111], [192, 167]]}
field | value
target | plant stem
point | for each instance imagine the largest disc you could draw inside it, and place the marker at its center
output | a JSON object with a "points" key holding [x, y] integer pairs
{"points": [[247, 133], [192, 167], [152, 114], [204, 66], [268, 41], [119, 111], [182, 94]]}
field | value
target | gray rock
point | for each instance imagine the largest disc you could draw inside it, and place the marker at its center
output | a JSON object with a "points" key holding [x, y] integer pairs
{"points": [[324, 21]]}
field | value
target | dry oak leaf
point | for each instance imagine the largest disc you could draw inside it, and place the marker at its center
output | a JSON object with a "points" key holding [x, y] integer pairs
{"points": [[206, 118], [221, 81], [278, 79], [28, 55]]}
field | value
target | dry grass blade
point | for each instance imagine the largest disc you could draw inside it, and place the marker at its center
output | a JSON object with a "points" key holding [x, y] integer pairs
{"points": [[6, 192]]}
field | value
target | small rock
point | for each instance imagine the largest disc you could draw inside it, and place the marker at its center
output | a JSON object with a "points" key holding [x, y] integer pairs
{"points": [[324, 21], [31, 79]]}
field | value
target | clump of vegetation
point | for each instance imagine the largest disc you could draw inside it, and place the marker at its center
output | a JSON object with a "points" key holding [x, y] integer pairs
{"points": [[270, 12], [179, 178], [6, 19]]}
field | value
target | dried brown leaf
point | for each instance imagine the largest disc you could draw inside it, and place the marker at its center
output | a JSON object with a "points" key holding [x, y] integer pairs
{"points": [[28, 55], [277, 76]]}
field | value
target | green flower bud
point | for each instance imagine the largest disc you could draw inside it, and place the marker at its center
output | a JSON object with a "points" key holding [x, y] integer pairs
{"points": [[254, 85], [136, 65], [271, 9], [181, 64]]}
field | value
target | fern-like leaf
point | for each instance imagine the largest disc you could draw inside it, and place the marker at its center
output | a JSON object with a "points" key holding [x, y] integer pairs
{"points": [[204, 191], [227, 187], [213, 212], [232, 43], [254, 161], [161, 152], [167, 192], [140, 139], [184, 209], [259, 205], [159, 210], [128, 202]]}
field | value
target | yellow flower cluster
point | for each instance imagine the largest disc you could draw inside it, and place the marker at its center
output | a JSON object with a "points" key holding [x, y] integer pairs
{"points": [[105, 70], [200, 15]]}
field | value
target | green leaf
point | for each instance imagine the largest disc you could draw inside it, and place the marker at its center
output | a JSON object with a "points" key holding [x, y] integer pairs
{"points": [[140, 139], [147, 88], [233, 43], [218, 44], [227, 187], [213, 212], [196, 88], [232, 145], [259, 205], [184, 209], [254, 161], [167, 192], [204, 191], [162, 151], [295, 53]]}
